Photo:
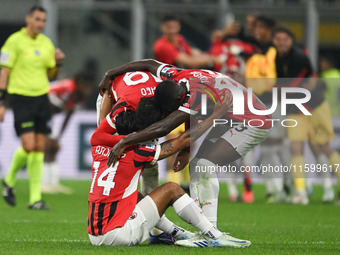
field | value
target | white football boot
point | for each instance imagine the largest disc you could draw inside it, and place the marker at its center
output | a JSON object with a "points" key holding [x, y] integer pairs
{"points": [[201, 241]]}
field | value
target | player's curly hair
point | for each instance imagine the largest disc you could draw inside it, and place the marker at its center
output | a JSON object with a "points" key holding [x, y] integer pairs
{"points": [[147, 113], [126, 122]]}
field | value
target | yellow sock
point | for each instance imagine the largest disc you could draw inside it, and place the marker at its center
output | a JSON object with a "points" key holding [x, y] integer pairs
{"points": [[18, 162], [174, 177], [185, 175], [335, 161], [35, 161], [298, 163]]}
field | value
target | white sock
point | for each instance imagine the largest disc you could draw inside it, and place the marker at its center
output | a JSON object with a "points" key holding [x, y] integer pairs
{"points": [[54, 174], [150, 179], [208, 189], [169, 227], [326, 176], [155, 231], [194, 180], [46, 175], [188, 211]]}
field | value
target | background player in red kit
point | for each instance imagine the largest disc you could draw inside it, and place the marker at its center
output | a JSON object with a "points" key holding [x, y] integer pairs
{"points": [[225, 145], [172, 47], [65, 96], [115, 218]]}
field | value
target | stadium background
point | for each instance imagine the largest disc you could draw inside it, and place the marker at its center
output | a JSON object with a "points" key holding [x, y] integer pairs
{"points": [[99, 35]]}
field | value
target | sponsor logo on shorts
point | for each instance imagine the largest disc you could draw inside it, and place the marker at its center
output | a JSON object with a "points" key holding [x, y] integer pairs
{"points": [[27, 124]]}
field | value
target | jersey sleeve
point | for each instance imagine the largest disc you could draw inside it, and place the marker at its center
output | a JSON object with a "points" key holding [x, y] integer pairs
{"points": [[147, 154], [104, 135], [165, 71], [120, 106], [9, 53], [188, 106], [50, 59]]}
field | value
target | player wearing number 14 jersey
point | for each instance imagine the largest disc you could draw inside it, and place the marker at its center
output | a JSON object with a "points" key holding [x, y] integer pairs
{"points": [[115, 217]]}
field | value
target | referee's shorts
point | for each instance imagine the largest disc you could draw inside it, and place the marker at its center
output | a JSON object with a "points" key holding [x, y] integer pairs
{"points": [[31, 114]]}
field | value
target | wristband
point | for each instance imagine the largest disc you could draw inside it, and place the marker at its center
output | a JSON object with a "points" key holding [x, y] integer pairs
{"points": [[165, 74], [3, 94]]}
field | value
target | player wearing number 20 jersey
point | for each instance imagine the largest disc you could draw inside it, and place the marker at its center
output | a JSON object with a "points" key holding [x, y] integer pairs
{"points": [[114, 190], [127, 90]]}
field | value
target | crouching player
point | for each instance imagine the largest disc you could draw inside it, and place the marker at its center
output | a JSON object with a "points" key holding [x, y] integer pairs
{"points": [[115, 217]]}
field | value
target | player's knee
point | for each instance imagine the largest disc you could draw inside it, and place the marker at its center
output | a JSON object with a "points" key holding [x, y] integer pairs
{"points": [[28, 146], [172, 186], [296, 149], [174, 190]]}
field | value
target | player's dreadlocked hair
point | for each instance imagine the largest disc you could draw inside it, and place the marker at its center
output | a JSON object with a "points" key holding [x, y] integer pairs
{"points": [[126, 122], [147, 113]]}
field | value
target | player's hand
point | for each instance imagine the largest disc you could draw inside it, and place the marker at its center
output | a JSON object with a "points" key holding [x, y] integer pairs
{"points": [[2, 112], [181, 160], [105, 85], [227, 103], [232, 29], [115, 153], [59, 56]]}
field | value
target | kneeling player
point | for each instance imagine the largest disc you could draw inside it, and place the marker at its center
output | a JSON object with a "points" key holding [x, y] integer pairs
{"points": [[115, 217]]}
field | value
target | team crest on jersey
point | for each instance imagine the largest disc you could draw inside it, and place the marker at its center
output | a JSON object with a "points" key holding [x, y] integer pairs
{"points": [[37, 52], [150, 146], [133, 215]]}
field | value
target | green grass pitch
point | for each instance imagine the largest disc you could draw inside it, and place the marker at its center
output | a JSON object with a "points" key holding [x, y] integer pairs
{"points": [[272, 228]]}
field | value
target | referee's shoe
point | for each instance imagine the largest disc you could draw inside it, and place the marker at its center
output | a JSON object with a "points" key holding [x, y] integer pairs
{"points": [[8, 194], [40, 205]]}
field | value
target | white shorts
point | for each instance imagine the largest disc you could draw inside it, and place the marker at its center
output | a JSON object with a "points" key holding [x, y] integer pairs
{"points": [[277, 131], [136, 229], [243, 138]]}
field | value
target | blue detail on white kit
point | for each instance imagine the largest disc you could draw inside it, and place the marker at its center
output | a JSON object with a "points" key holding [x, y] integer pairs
{"points": [[150, 146]]}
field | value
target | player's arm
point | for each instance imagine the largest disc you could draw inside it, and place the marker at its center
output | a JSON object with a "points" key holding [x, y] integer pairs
{"points": [[195, 61], [67, 118], [4, 74], [59, 58], [148, 65], [170, 147], [104, 136], [156, 130], [105, 106]]}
